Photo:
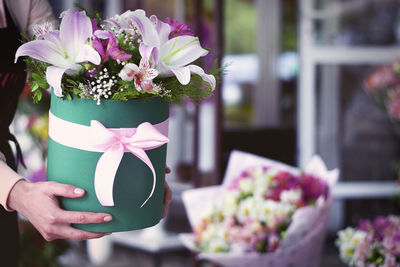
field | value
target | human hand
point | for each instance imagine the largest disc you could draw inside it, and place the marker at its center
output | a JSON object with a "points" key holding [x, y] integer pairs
{"points": [[38, 203], [167, 194]]}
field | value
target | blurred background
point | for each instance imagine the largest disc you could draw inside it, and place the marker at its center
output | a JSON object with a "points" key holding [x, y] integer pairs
{"points": [[293, 86]]}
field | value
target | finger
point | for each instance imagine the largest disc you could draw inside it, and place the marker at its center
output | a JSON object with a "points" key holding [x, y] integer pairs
{"points": [[167, 170], [82, 217], [76, 234], [63, 190], [167, 194]]}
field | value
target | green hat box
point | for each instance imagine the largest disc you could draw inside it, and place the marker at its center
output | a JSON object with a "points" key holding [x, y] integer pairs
{"points": [[133, 180]]}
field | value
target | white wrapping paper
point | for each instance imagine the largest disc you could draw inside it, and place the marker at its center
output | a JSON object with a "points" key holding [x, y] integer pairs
{"points": [[303, 242]]}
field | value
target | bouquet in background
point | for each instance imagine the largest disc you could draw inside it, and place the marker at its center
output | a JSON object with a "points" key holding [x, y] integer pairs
{"points": [[384, 86], [265, 213], [373, 243], [128, 56], [256, 210]]}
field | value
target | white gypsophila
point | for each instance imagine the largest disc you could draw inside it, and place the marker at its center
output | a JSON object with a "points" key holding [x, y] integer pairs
{"points": [[292, 196], [246, 185], [347, 241], [230, 203], [246, 209]]}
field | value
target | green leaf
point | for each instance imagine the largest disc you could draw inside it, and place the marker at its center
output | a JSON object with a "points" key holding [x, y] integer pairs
{"points": [[37, 96], [34, 87], [69, 97]]}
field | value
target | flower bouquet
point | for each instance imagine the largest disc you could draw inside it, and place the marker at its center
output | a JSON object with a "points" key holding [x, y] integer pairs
{"points": [[112, 81], [372, 243], [384, 86], [264, 214]]}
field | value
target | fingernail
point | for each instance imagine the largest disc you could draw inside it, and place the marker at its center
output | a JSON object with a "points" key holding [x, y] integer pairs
{"points": [[79, 191], [107, 218]]}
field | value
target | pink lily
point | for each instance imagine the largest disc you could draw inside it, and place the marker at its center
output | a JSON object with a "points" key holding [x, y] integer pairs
{"points": [[63, 49]]}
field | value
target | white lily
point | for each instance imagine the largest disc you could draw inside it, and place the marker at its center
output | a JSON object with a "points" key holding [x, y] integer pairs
{"points": [[63, 49], [171, 57]]}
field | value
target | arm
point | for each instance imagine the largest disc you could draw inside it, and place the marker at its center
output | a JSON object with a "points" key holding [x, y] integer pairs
{"points": [[38, 203], [7, 181]]}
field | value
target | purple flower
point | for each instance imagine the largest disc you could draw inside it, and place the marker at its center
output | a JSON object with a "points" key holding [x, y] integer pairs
{"points": [[313, 187], [282, 181], [94, 24], [178, 28], [106, 45], [38, 176]]}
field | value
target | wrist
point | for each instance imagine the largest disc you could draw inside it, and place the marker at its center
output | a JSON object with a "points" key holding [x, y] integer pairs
{"points": [[17, 193]]}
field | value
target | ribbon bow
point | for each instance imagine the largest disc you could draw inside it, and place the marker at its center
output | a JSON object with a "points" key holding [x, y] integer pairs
{"points": [[115, 143]]}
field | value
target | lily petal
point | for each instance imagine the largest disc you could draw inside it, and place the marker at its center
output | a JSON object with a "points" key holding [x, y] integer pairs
{"points": [[42, 50], [182, 74], [75, 30], [206, 77], [88, 53], [53, 77], [162, 28], [181, 50], [149, 53], [146, 27]]}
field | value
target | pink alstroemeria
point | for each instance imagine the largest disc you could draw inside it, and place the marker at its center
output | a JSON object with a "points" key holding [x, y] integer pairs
{"points": [[106, 45], [63, 49], [142, 75]]}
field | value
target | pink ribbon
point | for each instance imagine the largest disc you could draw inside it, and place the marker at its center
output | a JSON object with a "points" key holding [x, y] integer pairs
{"points": [[114, 142]]}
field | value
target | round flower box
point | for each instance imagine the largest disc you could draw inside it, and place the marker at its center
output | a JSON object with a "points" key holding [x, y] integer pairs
{"points": [[133, 180]]}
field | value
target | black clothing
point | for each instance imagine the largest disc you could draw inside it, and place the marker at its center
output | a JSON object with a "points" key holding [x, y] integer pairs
{"points": [[12, 81]]}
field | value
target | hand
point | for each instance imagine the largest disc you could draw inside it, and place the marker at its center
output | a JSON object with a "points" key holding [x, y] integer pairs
{"points": [[38, 203], [167, 194]]}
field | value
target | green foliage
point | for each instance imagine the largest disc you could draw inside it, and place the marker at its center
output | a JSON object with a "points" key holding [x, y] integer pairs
{"points": [[38, 79]]}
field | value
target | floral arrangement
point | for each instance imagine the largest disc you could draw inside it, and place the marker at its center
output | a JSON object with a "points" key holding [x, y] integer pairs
{"points": [[128, 56], [384, 86], [256, 210], [373, 243]]}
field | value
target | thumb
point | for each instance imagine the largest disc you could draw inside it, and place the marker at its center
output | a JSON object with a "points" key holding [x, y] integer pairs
{"points": [[63, 190]]}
